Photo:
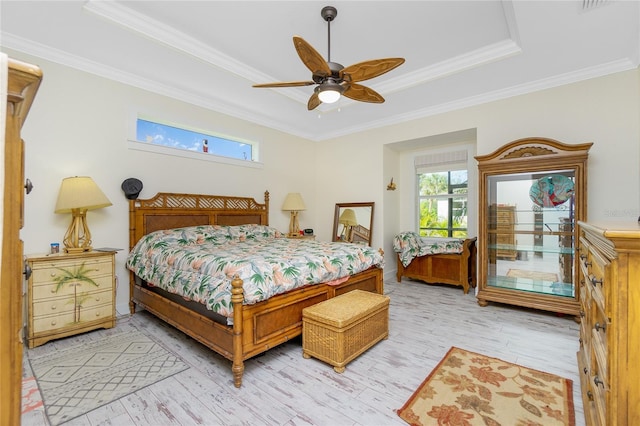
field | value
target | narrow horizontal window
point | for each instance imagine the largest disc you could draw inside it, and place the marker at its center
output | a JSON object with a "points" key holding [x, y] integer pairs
{"points": [[193, 142]]}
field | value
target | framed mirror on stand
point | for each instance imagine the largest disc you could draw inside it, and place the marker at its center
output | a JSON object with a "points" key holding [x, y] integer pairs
{"points": [[353, 223]]}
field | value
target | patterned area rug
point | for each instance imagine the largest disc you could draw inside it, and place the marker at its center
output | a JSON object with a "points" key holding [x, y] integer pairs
{"points": [[467, 388], [81, 378], [541, 276]]}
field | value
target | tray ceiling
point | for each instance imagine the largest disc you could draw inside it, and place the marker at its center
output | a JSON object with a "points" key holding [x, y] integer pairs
{"points": [[209, 53]]}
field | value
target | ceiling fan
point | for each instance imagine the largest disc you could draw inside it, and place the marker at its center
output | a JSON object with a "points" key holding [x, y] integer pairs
{"points": [[333, 79]]}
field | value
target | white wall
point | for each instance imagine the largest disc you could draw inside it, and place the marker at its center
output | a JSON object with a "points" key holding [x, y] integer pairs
{"points": [[605, 111], [77, 125]]}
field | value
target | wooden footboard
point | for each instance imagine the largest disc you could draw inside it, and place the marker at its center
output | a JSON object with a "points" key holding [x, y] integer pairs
{"points": [[454, 269], [257, 328]]}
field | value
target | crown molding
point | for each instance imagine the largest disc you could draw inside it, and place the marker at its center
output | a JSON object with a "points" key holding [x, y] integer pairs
{"points": [[496, 95]]}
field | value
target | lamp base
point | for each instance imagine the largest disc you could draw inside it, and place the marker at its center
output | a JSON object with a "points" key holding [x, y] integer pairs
{"points": [[75, 250]]}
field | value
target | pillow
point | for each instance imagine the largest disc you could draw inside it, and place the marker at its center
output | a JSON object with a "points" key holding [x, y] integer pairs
{"points": [[252, 232]]}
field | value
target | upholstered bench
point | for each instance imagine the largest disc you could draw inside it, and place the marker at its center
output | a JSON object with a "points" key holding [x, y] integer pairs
{"points": [[337, 330]]}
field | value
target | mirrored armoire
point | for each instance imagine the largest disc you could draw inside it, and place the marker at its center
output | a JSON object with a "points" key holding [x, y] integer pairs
{"points": [[532, 193]]}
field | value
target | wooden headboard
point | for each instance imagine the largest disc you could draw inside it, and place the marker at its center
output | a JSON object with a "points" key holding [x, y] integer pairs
{"points": [[167, 211]]}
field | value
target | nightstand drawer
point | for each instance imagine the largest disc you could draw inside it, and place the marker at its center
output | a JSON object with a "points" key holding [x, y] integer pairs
{"points": [[47, 272], [64, 304], [49, 290], [72, 318]]}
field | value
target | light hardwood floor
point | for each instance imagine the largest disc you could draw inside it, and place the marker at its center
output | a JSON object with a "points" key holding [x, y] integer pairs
{"points": [[283, 388]]}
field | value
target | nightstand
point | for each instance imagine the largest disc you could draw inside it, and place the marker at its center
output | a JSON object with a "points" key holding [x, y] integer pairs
{"points": [[69, 294]]}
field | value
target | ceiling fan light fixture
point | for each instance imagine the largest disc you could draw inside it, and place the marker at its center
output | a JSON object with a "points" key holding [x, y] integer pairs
{"points": [[329, 92], [332, 80]]}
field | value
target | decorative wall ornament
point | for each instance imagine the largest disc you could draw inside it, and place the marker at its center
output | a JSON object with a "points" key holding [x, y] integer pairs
{"points": [[391, 186]]}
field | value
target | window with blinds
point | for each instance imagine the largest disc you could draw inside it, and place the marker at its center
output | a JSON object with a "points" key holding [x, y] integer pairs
{"points": [[442, 180]]}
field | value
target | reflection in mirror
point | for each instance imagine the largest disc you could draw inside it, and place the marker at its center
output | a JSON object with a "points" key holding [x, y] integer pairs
{"points": [[530, 235], [353, 222]]}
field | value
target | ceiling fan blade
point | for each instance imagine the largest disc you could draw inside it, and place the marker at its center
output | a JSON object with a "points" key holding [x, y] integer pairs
{"points": [[286, 84], [358, 92], [370, 69], [314, 101], [311, 58]]}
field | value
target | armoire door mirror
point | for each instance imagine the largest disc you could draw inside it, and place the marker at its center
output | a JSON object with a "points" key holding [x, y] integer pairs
{"points": [[353, 222]]}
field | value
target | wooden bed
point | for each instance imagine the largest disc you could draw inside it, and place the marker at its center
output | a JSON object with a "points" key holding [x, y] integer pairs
{"points": [[256, 328], [456, 269]]}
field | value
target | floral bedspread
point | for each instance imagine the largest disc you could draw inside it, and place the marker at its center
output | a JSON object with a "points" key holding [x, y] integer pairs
{"points": [[409, 245], [199, 262]]}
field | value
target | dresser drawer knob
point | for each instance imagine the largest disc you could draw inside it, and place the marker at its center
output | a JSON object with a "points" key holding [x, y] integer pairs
{"points": [[585, 370], [53, 308], [583, 256], [597, 381], [54, 322], [597, 326], [590, 395], [595, 281]]}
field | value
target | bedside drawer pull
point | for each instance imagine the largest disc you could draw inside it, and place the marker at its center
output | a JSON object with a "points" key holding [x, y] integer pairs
{"points": [[585, 370], [597, 381], [581, 314], [583, 256], [595, 281], [597, 326], [590, 395], [28, 186], [27, 270]]}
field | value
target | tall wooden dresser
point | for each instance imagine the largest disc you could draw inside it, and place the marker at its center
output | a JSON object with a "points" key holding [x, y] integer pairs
{"points": [[609, 356], [23, 82]]}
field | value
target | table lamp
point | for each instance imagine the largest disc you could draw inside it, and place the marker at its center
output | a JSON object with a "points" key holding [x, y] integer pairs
{"points": [[293, 203], [76, 196], [348, 220]]}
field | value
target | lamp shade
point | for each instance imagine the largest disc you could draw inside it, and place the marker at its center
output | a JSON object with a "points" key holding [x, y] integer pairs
{"points": [[80, 192], [293, 202], [348, 218]]}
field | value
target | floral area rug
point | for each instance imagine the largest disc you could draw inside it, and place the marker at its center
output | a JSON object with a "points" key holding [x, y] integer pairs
{"points": [[467, 388], [81, 378]]}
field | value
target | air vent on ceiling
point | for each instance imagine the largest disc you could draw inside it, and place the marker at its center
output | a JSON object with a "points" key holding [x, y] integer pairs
{"points": [[592, 4]]}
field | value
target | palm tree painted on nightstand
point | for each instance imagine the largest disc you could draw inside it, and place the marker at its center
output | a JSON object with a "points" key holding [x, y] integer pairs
{"points": [[75, 277]]}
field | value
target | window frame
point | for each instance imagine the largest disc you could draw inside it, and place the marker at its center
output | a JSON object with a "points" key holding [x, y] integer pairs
{"points": [[134, 144], [449, 196]]}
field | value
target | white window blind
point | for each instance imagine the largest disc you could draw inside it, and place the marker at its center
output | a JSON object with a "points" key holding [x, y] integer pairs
{"points": [[441, 160]]}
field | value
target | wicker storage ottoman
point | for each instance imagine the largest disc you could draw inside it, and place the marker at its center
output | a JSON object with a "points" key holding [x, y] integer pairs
{"points": [[337, 330]]}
